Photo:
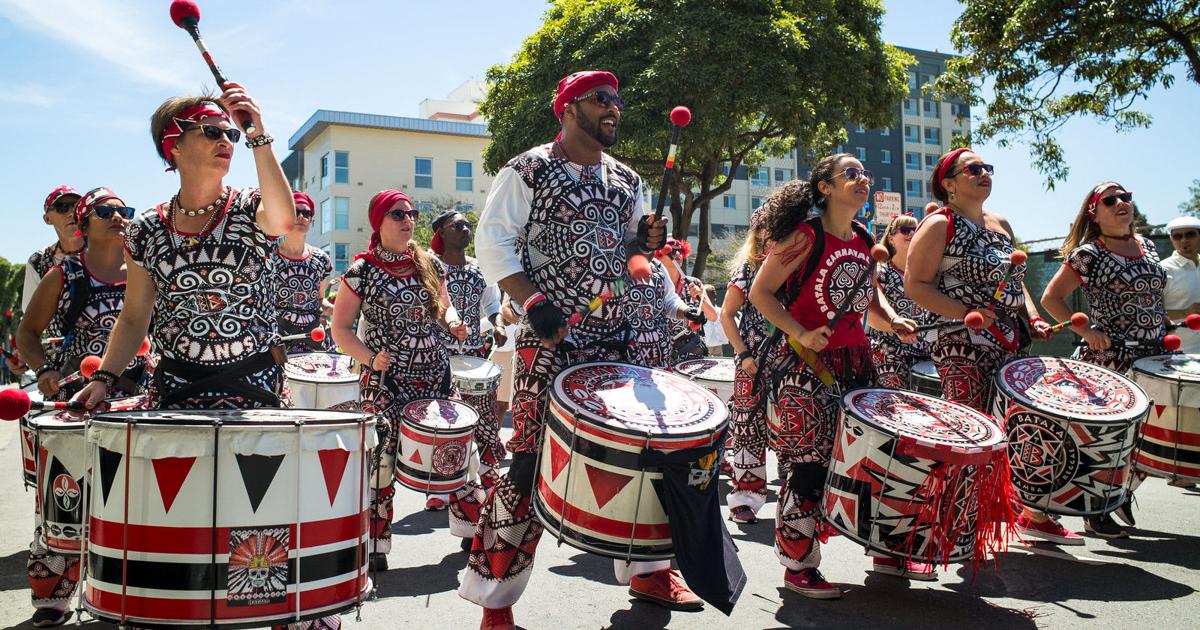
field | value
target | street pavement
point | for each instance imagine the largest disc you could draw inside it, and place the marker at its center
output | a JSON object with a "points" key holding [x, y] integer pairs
{"points": [[1147, 581]]}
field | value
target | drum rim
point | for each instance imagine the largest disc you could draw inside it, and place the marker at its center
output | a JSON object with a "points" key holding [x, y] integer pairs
{"points": [[352, 378], [406, 419], [557, 399], [114, 418], [1130, 416], [1174, 379], [697, 377], [499, 369], [1000, 445]]}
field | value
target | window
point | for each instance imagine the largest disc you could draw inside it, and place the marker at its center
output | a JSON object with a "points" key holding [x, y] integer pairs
{"points": [[931, 109], [755, 202], [911, 133], [912, 186], [324, 171], [760, 177], [885, 156], [916, 212], [885, 183], [912, 80], [729, 201], [423, 168], [424, 206], [341, 213], [912, 161], [933, 135], [910, 107], [782, 175], [860, 153], [341, 167], [930, 161], [463, 179], [860, 129], [341, 257], [886, 131], [326, 216], [725, 169], [926, 78]]}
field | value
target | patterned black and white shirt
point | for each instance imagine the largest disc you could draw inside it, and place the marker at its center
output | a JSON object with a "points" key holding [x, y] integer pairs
{"points": [[752, 327], [1125, 295], [650, 305], [298, 291], [89, 333], [473, 299], [891, 282]]}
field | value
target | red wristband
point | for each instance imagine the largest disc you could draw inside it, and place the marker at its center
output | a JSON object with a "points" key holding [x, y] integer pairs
{"points": [[533, 300]]}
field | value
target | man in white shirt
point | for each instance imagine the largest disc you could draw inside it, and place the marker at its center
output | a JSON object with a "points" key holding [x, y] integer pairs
{"points": [[1182, 293]]}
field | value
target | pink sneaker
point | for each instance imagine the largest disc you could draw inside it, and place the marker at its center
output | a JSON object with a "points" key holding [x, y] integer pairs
{"points": [[665, 588], [810, 583], [742, 514], [435, 504], [900, 568], [1050, 530], [497, 619]]}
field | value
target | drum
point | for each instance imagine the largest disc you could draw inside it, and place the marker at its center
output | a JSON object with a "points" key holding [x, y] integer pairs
{"points": [[29, 445], [1170, 442], [714, 374], [433, 451], [322, 380], [1071, 428], [227, 517], [924, 379], [473, 375], [909, 474], [591, 491]]}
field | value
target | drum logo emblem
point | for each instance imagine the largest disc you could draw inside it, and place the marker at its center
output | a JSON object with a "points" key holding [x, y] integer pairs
{"points": [[66, 493], [1043, 458], [448, 458], [703, 471], [258, 566]]}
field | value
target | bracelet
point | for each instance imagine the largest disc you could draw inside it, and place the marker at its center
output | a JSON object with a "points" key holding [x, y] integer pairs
{"points": [[104, 376], [371, 362], [533, 301], [48, 367], [742, 356], [260, 140]]}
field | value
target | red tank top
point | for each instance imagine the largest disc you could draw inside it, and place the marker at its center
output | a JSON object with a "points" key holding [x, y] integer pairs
{"points": [[828, 288]]}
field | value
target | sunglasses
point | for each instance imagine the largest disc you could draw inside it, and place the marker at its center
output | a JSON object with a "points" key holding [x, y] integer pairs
{"points": [[212, 132], [907, 230], [1111, 200], [460, 225], [603, 99], [1179, 236], [976, 169], [62, 207], [400, 215], [304, 213], [106, 212], [852, 174]]}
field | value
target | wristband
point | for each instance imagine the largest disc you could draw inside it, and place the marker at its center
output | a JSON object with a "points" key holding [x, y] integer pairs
{"points": [[533, 300], [742, 356], [107, 378], [1034, 320], [261, 140], [45, 368]]}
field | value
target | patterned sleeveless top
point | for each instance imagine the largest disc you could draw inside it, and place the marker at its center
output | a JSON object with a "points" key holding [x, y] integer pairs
{"points": [[465, 286], [1125, 294], [646, 309], [298, 290], [89, 334], [41, 261], [828, 288], [573, 245], [753, 326], [891, 282], [684, 289]]}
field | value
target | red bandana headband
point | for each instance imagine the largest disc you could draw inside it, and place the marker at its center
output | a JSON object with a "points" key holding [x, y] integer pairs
{"points": [[88, 202], [193, 114], [397, 264], [951, 158], [1095, 198], [302, 199], [58, 193]]}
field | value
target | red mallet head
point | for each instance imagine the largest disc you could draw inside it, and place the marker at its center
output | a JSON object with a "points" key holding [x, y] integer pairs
{"points": [[880, 253], [974, 320], [144, 349], [185, 14], [639, 268], [1080, 319], [1018, 257], [89, 365], [14, 404], [1171, 343], [317, 335], [681, 116], [1192, 321]]}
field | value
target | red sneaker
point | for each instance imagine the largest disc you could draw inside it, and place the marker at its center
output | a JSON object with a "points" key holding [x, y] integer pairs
{"points": [[810, 583], [665, 588], [435, 504], [905, 569], [497, 619], [1049, 530], [742, 514]]}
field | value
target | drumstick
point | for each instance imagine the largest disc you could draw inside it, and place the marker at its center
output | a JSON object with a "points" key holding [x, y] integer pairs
{"points": [[186, 16], [1192, 322], [1078, 319], [15, 403], [317, 334], [87, 367], [1016, 258], [639, 265]]}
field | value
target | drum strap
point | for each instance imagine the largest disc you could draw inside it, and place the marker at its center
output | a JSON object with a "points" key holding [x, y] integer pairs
{"points": [[226, 378]]}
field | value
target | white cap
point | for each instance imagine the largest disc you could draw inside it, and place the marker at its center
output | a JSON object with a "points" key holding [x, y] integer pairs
{"points": [[1179, 223]]}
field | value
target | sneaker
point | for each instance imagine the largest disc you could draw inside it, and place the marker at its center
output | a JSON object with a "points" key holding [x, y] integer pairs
{"points": [[665, 588], [1103, 526], [810, 583], [378, 562], [1125, 511], [742, 514], [905, 569], [1049, 530], [497, 619], [435, 504], [46, 617], [1181, 483]]}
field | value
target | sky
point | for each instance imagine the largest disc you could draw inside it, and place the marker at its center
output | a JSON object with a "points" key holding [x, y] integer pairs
{"points": [[80, 79]]}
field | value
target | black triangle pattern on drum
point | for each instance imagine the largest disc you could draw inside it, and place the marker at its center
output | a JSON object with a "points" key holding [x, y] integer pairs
{"points": [[109, 462], [258, 471]]}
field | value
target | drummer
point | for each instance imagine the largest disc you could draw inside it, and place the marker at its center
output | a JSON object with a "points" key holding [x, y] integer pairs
{"points": [[893, 356], [1182, 293], [568, 191], [748, 418], [651, 305], [687, 340], [303, 280], [957, 259], [804, 436], [1119, 273], [474, 299], [404, 356], [81, 296]]}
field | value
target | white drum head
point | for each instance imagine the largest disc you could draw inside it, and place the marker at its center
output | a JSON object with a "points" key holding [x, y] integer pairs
{"points": [[438, 414], [638, 400], [710, 369], [1072, 389], [474, 368], [320, 367]]}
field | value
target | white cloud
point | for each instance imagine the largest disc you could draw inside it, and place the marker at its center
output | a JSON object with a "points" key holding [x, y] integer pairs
{"points": [[28, 94]]}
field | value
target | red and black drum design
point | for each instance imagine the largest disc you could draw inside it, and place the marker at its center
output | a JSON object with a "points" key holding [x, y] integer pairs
{"points": [[905, 477], [322, 380], [714, 373], [227, 517], [1071, 430], [435, 445], [29, 445], [1170, 441], [592, 492]]}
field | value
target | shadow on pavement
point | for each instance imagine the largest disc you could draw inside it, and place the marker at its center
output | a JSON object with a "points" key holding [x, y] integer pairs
{"points": [[884, 602], [585, 565], [423, 522], [1159, 547], [12, 572], [426, 579], [641, 615]]}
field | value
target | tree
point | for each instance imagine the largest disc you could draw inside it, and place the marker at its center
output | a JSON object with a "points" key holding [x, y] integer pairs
{"points": [[760, 76], [1192, 205], [1048, 61]]}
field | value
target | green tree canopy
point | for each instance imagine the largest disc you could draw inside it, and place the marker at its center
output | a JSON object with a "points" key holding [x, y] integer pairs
{"points": [[1048, 61], [760, 76], [1192, 205]]}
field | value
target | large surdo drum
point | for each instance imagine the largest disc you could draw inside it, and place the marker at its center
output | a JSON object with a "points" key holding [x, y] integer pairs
{"points": [[1170, 441]]}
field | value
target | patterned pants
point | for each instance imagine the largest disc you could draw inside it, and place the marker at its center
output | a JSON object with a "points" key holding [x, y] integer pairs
{"points": [[802, 423], [968, 369], [53, 576], [501, 557], [747, 444]]}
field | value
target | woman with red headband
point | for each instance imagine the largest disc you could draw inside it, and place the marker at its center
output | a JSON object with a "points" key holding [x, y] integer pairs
{"points": [[894, 354], [401, 294], [805, 410], [957, 259], [303, 279], [687, 343], [202, 267], [1120, 275], [81, 298]]}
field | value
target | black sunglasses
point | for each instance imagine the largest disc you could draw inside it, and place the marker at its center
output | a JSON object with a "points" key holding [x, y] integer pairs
{"points": [[461, 224], [404, 214], [977, 168], [304, 213], [106, 212], [1179, 236], [604, 99], [62, 207], [1111, 200], [906, 230], [212, 132]]}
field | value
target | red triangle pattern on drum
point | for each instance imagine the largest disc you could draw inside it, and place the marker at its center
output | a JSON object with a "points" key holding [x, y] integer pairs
{"points": [[558, 459], [1159, 409], [170, 472], [416, 457], [605, 484], [333, 466]]}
